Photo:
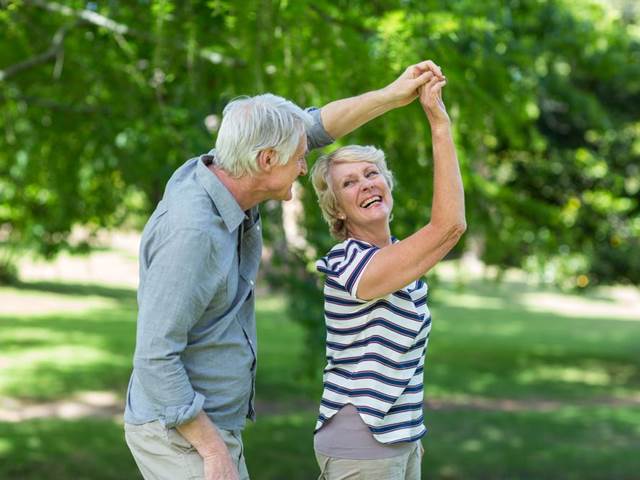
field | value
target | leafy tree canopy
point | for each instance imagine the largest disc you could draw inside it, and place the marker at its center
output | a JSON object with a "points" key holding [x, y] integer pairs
{"points": [[101, 101]]}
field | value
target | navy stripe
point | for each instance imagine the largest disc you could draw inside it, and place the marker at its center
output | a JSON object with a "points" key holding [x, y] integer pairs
{"points": [[418, 285], [360, 392], [342, 301], [376, 339], [371, 375], [402, 294], [414, 388], [376, 358], [372, 323], [340, 252], [372, 411], [333, 284], [398, 426], [410, 439], [330, 404], [406, 407], [369, 308], [337, 272], [359, 268], [426, 324], [324, 270]]}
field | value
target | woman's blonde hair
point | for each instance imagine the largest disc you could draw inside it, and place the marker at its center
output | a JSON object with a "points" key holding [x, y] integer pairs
{"points": [[321, 179]]}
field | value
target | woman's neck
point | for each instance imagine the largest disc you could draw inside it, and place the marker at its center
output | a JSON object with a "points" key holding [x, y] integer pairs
{"points": [[377, 234]]}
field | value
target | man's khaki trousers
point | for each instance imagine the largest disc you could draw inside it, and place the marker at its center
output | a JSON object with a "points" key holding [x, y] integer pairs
{"points": [[164, 454]]}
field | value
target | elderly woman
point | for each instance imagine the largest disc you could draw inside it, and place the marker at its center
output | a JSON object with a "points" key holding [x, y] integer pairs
{"points": [[378, 323]]}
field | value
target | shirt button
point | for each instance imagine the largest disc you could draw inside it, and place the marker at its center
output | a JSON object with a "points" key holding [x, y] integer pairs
{"points": [[251, 282], [258, 228]]}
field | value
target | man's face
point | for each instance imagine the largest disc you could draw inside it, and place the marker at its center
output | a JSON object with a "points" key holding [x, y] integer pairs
{"points": [[282, 177]]}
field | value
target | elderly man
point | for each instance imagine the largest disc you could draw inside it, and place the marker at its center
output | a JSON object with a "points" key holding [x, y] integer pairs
{"points": [[192, 384]]}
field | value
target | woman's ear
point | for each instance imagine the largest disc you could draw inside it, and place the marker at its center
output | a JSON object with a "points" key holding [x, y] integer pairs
{"points": [[266, 160]]}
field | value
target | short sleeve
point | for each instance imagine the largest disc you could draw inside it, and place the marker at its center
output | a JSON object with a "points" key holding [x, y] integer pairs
{"points": [[345, 265], [317, 136]]}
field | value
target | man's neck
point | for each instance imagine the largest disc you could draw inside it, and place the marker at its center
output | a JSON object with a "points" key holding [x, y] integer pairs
{"points": [[244, 189]]}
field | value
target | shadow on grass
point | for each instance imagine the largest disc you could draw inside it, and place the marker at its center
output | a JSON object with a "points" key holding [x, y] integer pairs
{"points": [[61, 450], [123, 295]]}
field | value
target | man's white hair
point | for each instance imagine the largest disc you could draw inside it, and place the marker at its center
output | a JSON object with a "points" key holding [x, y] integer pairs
{"points": [[252, 124]]}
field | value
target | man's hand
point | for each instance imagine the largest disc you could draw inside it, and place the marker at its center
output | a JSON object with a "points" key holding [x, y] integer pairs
{"points": [[220, 467], [344, 116], [204, 436], [404, 89]]}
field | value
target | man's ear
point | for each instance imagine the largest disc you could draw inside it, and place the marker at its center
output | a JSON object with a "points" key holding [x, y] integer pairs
{"points": [[266, 160]]}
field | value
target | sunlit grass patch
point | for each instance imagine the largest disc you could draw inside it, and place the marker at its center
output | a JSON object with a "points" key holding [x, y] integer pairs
{"points": [[57, 449], [20, 303], [49, 357]]}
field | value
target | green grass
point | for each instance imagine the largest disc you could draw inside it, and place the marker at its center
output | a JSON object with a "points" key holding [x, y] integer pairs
{"points": [[56, 449], [525, 393]]}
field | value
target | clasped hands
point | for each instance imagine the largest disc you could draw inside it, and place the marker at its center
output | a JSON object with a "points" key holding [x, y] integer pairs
{"points": [[424, 80]]}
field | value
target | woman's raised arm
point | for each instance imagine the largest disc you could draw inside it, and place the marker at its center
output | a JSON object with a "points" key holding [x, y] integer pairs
{"points": [[399, 264]]}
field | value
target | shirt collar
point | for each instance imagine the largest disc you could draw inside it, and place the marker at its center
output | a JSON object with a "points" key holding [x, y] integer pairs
{"points": [[229, 209]]}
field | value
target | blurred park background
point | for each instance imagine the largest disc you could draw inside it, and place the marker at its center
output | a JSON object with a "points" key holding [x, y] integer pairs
{"points": [[533, 370]]}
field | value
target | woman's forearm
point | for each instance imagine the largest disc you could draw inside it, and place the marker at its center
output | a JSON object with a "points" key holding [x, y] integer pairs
{"points": [[447, 209]]}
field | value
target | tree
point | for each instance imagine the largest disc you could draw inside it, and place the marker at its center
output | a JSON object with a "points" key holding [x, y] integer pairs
{"points": [[102, 101]]}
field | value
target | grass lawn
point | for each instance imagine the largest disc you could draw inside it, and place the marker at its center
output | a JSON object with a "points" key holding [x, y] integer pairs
{"points": [[518, 387]]}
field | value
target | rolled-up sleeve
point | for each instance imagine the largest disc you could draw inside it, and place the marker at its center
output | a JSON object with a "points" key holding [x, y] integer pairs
{"points": [[180, 282], [317, 136]]}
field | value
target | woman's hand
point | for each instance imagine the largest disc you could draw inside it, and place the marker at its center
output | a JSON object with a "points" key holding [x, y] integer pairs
{"points": [[403, 90], [431, 101]]}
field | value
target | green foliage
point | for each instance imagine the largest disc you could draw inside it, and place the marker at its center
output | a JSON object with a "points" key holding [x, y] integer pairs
{"points": [[99, 106]]}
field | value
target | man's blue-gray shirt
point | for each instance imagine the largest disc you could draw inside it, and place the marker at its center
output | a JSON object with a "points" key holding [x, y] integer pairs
{"points": [[196, 330]]}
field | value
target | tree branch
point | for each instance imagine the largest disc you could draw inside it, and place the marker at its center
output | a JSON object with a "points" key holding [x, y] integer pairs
{"points": [[54, 50], [86, 15], [122, 29], [93, 18]]}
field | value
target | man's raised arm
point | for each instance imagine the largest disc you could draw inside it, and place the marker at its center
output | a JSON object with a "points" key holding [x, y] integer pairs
{"points": [[343, 116]]}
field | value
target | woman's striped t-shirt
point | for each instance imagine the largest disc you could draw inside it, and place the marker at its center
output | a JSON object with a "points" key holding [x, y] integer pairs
{"points": [[375, 348]]}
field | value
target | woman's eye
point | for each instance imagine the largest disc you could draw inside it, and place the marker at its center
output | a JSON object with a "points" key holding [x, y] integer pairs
{"points": [[347, 183], [372, 173]]}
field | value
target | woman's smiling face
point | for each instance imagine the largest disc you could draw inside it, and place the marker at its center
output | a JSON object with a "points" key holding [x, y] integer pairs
{"points": [[362, 194]]}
